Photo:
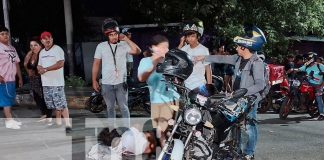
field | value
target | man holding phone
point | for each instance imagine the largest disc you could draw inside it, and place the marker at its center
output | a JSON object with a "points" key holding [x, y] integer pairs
{"points": [[112, 54]]}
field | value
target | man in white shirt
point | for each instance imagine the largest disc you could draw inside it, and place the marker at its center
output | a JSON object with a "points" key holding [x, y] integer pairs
{"points": [[50, 66], [112, 54], [193, 30]]}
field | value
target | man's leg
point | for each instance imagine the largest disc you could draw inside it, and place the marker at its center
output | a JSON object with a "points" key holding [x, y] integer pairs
{"points": [[122, 99], [65, 113], [58, 119], [7, 113], [252, 131], [109, 95], [319, 100]]}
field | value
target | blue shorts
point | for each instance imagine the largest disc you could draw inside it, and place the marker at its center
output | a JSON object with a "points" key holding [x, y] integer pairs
{"points": [[7, 94]]}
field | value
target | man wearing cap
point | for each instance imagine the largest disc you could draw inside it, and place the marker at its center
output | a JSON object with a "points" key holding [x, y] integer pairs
{"points": [[249, 74], [50, 66], [112, 54], [9, 64]]}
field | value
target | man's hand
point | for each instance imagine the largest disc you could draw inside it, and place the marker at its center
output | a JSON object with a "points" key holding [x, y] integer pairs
{"points": [[122, 37], [20, 83], [2, 79], [182, 39], [95, 86], [41, 70], [198, 58], [182, 42]]}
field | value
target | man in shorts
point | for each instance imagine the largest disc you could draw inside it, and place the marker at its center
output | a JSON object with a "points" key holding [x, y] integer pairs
{"points": [[9, 64], [50, 66]]}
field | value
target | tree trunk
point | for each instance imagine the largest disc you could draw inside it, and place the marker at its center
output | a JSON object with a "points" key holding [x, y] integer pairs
{"points": [[69, 34], [6, 16]]}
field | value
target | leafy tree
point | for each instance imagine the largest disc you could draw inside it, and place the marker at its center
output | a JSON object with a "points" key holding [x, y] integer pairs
{"points": [[279, 19]]}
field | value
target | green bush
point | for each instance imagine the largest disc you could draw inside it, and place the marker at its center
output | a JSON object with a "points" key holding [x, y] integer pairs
{"points": [[74, 81]]}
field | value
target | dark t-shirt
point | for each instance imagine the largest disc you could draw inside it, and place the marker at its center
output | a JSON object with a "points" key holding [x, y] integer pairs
{"points": [[237, 81], [289, 65], [218, 69]]}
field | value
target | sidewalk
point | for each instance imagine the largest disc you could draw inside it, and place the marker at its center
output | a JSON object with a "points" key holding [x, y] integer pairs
{"points": [[37, 141]]}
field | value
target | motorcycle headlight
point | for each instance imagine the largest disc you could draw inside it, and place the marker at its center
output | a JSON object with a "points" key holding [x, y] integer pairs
{"points": [[192, 116], [296, 83]]}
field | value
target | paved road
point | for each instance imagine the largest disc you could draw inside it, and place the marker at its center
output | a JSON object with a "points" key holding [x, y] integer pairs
{"points": [[297, 138]]}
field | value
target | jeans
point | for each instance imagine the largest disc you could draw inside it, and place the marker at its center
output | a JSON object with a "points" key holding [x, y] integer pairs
{"points": [[118, 92], [319, 98], [252, 131]]}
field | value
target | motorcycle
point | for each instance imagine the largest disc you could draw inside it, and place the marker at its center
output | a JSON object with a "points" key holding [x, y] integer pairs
{"points": [[301, 95], [278, 90], [138, 98], [274, 98], [191, 132]]}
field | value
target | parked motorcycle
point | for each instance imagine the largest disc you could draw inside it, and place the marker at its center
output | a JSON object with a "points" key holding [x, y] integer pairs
{"points": [[274, 98], [278, 89], [138, 98], [301, 95]]}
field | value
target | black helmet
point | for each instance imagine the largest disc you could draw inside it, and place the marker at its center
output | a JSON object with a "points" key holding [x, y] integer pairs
{"points": [[310, 57], [254, 41], [109, 25], [195, 25], [95, 103], [176, 63]]}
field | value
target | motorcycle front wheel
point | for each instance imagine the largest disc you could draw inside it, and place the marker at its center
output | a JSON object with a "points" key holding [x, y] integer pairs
{"points": [[264, 105], [285, 108], [313, 111]]}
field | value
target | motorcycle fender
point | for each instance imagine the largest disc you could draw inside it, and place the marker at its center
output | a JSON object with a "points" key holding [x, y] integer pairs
{"points": [[178, 149]]}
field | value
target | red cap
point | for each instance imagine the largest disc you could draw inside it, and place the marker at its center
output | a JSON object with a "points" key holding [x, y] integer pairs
{"points": [[45, 34]]}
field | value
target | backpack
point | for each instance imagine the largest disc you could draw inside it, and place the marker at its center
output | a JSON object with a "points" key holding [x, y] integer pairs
{"points": [[267, 86], [264, 92]]}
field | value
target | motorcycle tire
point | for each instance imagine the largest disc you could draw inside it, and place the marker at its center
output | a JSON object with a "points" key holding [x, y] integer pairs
{"points": [[313, 111], [264, 105], [285, 108]]}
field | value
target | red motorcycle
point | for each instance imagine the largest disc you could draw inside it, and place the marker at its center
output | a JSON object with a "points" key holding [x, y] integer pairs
{"points": [[278, 91], [301, 96]]}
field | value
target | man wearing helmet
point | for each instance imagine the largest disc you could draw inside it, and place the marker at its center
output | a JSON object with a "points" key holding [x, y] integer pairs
{"points": [[193, 30], [112, 54], [249, 74], [315, 72]]}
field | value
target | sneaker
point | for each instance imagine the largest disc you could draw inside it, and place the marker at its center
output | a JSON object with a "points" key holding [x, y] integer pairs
{"points": [[320, 118], [11, 124], [18, 123], [248, 157], [49, 120], [53, 125]]}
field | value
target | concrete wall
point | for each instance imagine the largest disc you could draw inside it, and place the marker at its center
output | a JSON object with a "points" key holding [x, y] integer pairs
{"points": [[88, 50]]}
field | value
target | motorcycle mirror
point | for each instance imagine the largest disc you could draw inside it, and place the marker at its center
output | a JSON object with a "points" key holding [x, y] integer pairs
{"points": [[239, 93]]}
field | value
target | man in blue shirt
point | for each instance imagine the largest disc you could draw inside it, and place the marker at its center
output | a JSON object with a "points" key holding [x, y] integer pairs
{"points": [[314, 72]]}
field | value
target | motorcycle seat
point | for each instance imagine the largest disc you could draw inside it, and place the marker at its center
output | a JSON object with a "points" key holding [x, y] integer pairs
{"points": [[218, 96]]}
